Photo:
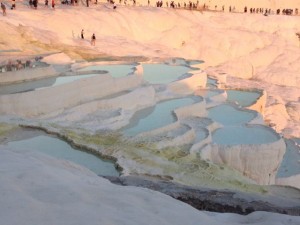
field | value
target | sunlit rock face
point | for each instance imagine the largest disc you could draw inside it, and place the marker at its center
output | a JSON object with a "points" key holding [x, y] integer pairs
{"points": [[257, 161]]}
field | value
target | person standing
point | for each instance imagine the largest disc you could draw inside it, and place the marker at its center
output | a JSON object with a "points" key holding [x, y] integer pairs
{"points": [[82, 34], [53, 4], [3, 7], [93, 40], [13, 5], [34, 2]]}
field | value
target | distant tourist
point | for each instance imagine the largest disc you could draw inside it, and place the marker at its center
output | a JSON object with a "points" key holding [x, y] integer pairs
{"points": [[148, 2], [82, 34], [34, 3], [13, 5], [53, 4], [278, 11], [46, 3], [93, 40], [3, 7], [115, 6]]}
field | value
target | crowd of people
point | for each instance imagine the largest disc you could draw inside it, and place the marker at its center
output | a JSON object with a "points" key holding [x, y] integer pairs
{"points": [[268, 11], [16, 65], [160, 3], [172, 4], [190, 5]]}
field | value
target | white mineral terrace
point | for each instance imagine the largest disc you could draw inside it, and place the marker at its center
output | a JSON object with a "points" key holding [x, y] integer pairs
{"points": [[205, 98], [168, 111]]}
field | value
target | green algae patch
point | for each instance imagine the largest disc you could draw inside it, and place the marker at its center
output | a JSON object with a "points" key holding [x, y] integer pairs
{"points": [[142, 158], [134, 157], [6, 129]]}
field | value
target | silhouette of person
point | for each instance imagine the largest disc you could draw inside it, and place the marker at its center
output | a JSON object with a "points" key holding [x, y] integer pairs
{"points": [[93, 40], [3, 7]]}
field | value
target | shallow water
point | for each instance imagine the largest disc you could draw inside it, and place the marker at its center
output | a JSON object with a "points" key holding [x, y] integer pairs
{"points": [[114, 70], [229, 115], [243, 98], [26, 86], [41, 84], [290, 164], [211, 83], [155, 117], [235, 135], [162, 73], [69, 79], [59, 149]]}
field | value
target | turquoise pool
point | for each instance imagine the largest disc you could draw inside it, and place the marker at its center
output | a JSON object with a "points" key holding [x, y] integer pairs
{"points": [[229, 115], [290, 164], [242, 97], [114, 70], [236, 135], [155, 117], [59, 149], [162, 73]]}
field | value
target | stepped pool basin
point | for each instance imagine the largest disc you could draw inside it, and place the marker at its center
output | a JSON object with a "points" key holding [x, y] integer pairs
{"points": [[155, 117], [59, 149], [291, 160], [41, 84], [242, 97], [26, 86], [238, 135], [211, 83], [162, 73], [114, 70], [229, 115]]}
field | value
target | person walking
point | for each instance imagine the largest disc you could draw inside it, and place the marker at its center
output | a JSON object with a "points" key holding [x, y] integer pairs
{"points": [[82, 34], [93, 40], [3, 7]]}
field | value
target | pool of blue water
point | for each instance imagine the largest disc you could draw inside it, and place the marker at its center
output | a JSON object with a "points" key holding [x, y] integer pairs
{"points": [[211, 83], [242, 97], [155, 117], [59, 149], [26, 86], [290, 164], [229, 115], [235, 135], [162, 73], [69, 79], [41, 84], [114, 70]]}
